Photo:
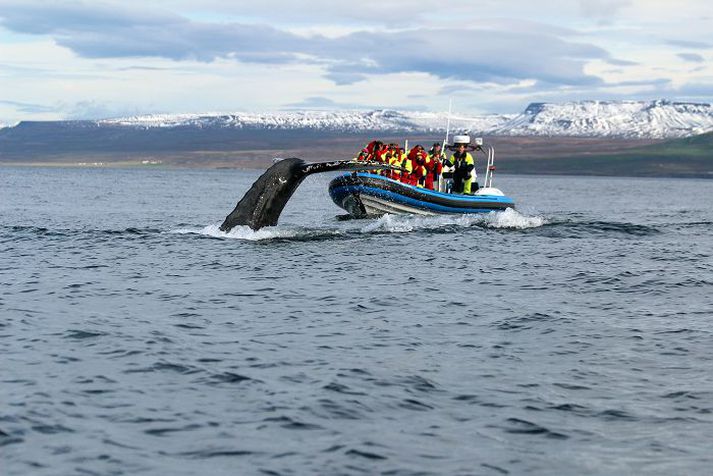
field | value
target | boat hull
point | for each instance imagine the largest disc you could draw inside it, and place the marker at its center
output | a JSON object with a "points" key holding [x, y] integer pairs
{"points": [[364, 194]]}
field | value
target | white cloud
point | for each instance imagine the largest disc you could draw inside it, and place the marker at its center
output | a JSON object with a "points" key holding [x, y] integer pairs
{"points": [[84, 58], [460, 51]]}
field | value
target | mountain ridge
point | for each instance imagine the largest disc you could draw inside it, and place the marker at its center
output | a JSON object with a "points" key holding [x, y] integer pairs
{"points": [[659, 119]]}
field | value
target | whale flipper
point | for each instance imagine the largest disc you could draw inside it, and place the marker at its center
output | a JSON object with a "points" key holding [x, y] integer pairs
{"points": [[263, 203]]}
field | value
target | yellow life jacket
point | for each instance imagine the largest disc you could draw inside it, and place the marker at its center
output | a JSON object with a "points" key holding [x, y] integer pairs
{"points": [[451, 161], [407, 164], [396, 160]]}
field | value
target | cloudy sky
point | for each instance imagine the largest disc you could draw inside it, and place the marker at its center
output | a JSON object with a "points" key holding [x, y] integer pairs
{"points": [[95, 59]]}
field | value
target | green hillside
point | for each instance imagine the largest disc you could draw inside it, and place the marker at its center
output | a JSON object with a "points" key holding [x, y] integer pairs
{"points": [[703, 140], [696, 146], [688, 157]]}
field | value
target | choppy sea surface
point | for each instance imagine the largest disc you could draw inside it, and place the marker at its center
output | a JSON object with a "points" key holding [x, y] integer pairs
{"points": [[572, 336]]}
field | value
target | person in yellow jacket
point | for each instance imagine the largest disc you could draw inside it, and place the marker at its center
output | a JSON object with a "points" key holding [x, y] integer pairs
{"points": [[463, 166], [395, 160], [407, 166]]}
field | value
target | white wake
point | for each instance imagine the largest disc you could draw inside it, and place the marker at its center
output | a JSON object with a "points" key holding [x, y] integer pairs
{"points": [[507, 219], [243, 232]]}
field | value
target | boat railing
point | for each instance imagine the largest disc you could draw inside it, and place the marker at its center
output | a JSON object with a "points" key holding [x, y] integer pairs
{"points": [[490, 166]]}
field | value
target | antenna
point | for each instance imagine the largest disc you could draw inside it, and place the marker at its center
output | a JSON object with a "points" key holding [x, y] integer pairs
{"points": [[448, 123]]}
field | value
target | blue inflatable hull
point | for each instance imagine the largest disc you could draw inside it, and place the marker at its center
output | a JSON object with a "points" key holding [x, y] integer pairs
{"points": [[365, 194]]}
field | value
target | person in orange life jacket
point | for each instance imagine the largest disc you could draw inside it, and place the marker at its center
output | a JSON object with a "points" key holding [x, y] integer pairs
{"points": [[427, 180], [371, 147], [362, 156], [463, 166], [434, 166], [377, 150], [388, 156], [418, 159]]}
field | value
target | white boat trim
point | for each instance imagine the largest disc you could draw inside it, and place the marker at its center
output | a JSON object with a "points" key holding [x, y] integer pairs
{"points": [[379, 206]]}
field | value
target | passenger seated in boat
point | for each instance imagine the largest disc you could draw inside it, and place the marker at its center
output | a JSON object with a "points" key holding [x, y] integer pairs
{"points": [[375, 150], [376, 153], [407, 169], [380, 155], [395, 157], [419, 170], [417, 155], [370, 147], [434, 166], [437, 152], [388, 155], [463, 169], [362, 156]]}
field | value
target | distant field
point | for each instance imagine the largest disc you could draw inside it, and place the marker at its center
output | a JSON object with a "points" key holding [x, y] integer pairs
{"points": [[689, 157]]}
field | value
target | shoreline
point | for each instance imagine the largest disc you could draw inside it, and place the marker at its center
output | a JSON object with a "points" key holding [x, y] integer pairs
{"points": [[519, 171], [514, 155]]}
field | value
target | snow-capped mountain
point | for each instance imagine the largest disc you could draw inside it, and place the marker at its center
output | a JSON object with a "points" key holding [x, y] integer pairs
{"points": [[656, 119], [633, 119], [333, 121]]}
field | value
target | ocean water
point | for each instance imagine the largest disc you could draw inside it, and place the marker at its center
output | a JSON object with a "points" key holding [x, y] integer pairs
{"points": [[572, 336]]}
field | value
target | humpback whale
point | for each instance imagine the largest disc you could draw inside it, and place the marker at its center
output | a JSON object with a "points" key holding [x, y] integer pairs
{"points": [[262, 204]]}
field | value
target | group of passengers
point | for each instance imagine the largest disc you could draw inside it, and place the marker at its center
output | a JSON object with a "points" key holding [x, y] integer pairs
{"points": [[432, 170]]}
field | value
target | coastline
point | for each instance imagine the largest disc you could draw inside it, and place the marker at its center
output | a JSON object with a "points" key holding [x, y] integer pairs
{"points": [[520, 170], [528, 155]]}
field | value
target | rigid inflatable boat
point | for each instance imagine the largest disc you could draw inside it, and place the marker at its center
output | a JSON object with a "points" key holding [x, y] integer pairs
{"points": [[364, 194]]}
